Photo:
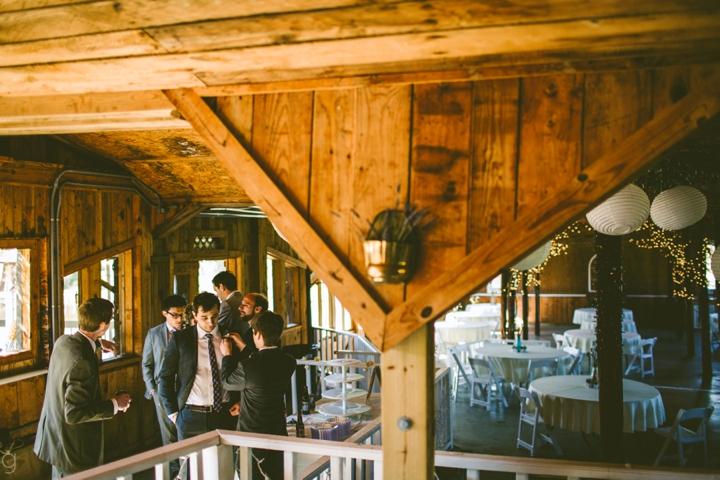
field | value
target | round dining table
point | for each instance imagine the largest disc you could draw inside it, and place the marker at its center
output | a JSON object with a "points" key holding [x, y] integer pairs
{"points": [[584, 340], [513, 365], [462, 332], [567, 403], [581, 314], [626, 325]]}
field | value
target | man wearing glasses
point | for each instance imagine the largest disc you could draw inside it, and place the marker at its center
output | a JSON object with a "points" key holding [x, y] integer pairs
{"points": [[156, 342]]}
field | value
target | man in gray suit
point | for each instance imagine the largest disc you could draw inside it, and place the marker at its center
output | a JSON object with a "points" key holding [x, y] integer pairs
{"points": [[225, 286], [156, 342], [70, 432]]}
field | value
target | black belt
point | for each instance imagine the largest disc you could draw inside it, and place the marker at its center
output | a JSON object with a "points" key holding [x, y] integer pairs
{"points": [[200, 408]]}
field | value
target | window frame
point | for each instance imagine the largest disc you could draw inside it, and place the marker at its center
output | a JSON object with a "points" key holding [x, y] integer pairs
{"points": [[35, 317], [283, 266]]}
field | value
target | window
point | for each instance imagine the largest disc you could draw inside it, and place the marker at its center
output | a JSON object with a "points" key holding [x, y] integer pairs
{"points": [[327, 311], [111, 279], [207, 269], [286, 282], [15, 282]]}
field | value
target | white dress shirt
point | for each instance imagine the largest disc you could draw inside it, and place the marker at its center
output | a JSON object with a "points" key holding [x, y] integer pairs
{"points": [[202, 390]]}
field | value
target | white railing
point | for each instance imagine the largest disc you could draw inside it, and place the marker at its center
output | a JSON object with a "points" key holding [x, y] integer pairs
{"points": [[211, 458], [329, 341]]}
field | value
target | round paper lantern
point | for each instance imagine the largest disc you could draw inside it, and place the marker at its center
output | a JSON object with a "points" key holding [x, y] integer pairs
{"points": [[534, 259], [678, 208], [622, 213], [715, 263]]}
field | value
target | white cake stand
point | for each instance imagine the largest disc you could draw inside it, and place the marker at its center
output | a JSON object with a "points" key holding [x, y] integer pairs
{"points": [[343, 407]]}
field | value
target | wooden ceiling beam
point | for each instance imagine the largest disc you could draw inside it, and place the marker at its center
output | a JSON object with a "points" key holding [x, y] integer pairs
{"points": [[545, 42], [180, 218], [310, 246], [598, 181]]}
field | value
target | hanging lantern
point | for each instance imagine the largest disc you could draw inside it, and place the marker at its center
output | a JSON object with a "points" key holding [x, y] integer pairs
{"points": [[622, 213], [715, 263], [678, 208], [535, 259]]}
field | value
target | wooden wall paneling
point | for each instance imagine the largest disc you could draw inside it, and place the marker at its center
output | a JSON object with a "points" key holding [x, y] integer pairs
{"points": [[42, 210], [3, 229], [550, 136], [494, 158], [28, 211], [616, 105], [333, 156], [380, 169], [19, 226], [8, 212], [142, 272], [31, 394], [670, 84], [281, 139], [9, 413], [236, 112], [440, 174]]}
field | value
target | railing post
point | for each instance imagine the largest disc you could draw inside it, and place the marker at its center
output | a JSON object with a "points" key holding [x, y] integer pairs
{"points": [[245, 459], [218, 462], [293, 389], [162, 471], [125, 477], [288, 465], [335, 467], [522, 476], [195, 466], [473, 474]]}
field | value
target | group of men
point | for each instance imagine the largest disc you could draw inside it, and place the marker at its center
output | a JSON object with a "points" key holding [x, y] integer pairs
{"points": [[228, 364]]}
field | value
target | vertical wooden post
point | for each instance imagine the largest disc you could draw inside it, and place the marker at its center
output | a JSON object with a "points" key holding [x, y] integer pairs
{"points": [[537, 304], [526, 307], [609, 345], [408, 433]]}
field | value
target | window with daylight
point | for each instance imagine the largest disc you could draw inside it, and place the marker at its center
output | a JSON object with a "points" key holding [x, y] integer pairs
{"points": [[16, 329], [285, 277], [326, 310]]}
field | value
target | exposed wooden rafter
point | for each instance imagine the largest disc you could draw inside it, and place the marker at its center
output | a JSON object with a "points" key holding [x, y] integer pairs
{"points": [[181, 217]]}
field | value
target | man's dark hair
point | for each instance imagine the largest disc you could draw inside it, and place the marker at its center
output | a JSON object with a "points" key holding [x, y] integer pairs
{"points": [[225, 278], [93, 312], [259, 300], [173, 301], [270, 325], [205, 300]]}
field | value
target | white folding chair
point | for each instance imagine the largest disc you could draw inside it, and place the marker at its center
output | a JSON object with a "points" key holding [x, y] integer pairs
{"points": [[644, 354], [575, 368], [484, 376], [534, 419], [683, 435], [459, 355], [501, 341], [536, 343], [560, 341], [571, 350], [541, 368], [493, 324]]}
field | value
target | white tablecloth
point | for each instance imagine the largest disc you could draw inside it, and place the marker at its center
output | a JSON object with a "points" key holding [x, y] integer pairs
{"points": [[462, 332], [627, 325], [567, 403], [473, 316], [491, 309], [585, 340], [581, 314], [513, 365]]}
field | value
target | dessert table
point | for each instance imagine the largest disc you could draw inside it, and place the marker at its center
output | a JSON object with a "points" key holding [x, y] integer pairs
{"points": [[584, 340], [567, 403], [513, 365], [581, 314]]}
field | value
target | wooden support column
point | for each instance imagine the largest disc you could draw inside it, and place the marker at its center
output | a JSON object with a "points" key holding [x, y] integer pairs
{"points": [[526, 307], [409, 393], [537, 304], [609, 345]]}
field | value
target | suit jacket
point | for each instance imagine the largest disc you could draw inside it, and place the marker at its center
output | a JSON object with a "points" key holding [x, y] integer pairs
{"points": [[177, 374], [229, 315], [249, 342], [153, 355], [262, 381], [70, 432]]}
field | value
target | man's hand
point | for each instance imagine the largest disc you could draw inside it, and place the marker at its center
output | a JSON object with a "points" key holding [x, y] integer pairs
{"points": [[173, 417], [235, 410], [151, 392], [123, 400], [237, 340], [226, 347], [108, 346]]}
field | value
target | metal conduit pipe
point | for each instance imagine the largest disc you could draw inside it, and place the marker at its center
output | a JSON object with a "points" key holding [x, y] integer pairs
{"points": [[55, 202]]}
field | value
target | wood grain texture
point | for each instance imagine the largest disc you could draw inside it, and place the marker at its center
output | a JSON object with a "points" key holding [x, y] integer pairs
{"points": [[494, 159], [616, 105], [538, 223], [550, 132], [380, 168], [259, 185], [408, 367], [440, 173]]}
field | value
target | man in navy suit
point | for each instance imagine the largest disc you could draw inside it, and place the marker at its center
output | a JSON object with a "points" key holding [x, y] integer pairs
{"points": [[190, 384], [262, 381], [225, 286], [156, 343]]}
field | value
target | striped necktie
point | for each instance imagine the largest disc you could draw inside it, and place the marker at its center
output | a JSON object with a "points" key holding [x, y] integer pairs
{"points": [[217, 387]]}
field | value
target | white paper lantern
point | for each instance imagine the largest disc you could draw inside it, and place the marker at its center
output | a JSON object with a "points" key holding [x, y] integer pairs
{"points": [[535, 258], [622, 213], [678, 208], [715, 263]]}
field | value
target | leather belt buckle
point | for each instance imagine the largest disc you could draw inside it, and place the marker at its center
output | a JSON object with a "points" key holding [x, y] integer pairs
{"points": [[199, 408]]}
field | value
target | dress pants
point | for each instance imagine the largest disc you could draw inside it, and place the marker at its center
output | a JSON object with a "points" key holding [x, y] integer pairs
{"points": [[168, 431], [270, 461], [191, 424]]}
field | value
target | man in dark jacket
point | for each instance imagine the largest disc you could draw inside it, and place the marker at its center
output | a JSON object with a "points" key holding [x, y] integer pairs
{"points": [[262, 380], [70, 432]]}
